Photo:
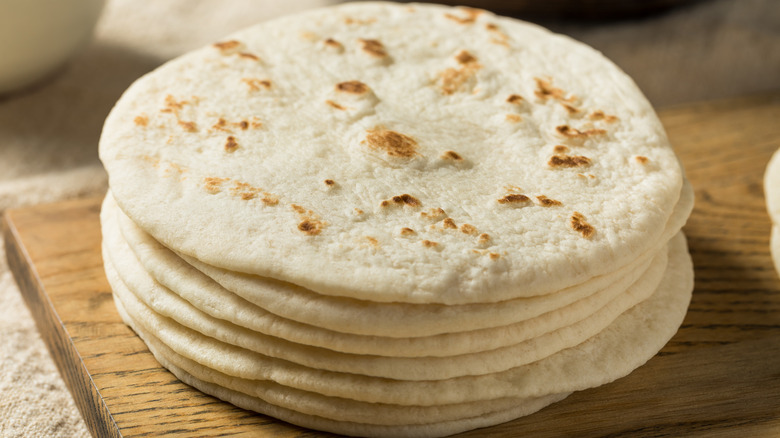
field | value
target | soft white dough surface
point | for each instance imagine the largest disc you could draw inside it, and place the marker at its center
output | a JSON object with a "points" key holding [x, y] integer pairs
{"points": [[447, 122]]}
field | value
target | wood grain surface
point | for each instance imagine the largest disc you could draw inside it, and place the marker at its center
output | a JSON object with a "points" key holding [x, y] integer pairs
{"points": [[718, 377]]}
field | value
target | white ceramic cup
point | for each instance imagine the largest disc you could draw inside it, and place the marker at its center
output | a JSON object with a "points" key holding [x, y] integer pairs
{"points": [[38, 36]]}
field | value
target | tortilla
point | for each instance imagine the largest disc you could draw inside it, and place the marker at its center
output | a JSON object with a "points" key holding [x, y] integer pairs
{"points": [[628, 342], [469, 158], [396, 320]]}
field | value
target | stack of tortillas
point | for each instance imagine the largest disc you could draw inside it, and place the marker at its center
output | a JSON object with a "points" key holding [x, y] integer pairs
{"points": [[772, 196], [394, 220]]}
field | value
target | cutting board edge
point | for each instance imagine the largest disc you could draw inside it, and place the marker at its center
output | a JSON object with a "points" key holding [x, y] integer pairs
{"points": [[88, 399]]}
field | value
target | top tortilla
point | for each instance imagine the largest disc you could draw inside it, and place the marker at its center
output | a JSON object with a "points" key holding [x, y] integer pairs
{"points": [[396, 153]]}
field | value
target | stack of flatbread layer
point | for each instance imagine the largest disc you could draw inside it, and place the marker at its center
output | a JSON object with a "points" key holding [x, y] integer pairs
{"points": [[394, 220], [772, 195]]}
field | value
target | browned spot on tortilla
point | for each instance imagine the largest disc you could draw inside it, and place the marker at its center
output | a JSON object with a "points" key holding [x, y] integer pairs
{"points": [[402, 200], [270, 199], [188, 126], [172, 105], [358, 21], [494, 256], [514, 198], [311, 227], [544, 201], [224, 126], [358, 211], [579, 224], [449, 223], [599, 115], [464, 57], [433, 214], [514, 118], [141, 120], [354, 87], [310, 224], [545, 90], [500, 37], [570, 109], [330, 182], [451, 155], [227, 45], [174, 168], [471, 15], [248, 55], [483, 238], [560, 149], [255, 84], [311, 36], [335, 105], [568, 161], [373, 48], [453, 79], [213, 185], [405, 231], [429, 244], [641, 160], [244, 190], [515, 99], [393, 143], [330, 42], [468, 229], [372, 241], [221, 125], [231, 144], [568, 131]]}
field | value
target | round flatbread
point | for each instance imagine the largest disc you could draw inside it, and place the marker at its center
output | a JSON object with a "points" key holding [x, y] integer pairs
{"points": [[258, 404], [390, 153], [627, 343], [397, 320], [257, 350], [209, 306], [334, 408]]}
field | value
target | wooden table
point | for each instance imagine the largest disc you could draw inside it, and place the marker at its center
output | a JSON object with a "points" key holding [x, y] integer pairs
{"points": [[718, 377]]}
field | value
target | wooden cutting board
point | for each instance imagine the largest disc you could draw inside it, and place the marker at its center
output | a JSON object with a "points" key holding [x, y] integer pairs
{"points": [[719, 376]]}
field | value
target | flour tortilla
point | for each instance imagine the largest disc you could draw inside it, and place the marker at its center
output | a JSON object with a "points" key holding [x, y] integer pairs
{"points": [[364, 430], [223, 155], [606, 304], [335, 408], [397, 320], [257, 404], [772, 195], [627, 343], [257, 352]]}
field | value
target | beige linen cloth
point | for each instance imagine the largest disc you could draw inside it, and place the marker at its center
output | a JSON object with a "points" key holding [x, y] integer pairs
{"points": [[49, 133]]}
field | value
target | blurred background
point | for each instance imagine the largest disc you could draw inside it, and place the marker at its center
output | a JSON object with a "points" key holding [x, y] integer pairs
{"points": [[678, 51]]}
